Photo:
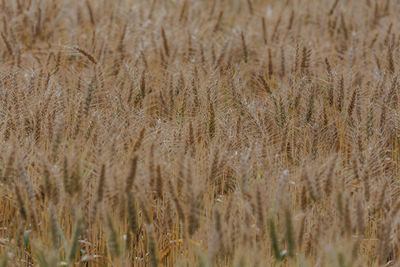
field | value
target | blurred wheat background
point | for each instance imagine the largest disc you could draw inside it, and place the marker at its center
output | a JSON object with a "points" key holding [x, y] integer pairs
{"points": [[199, 133]]}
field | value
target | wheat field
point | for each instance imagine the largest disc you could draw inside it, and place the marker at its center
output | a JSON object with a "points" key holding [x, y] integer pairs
{"points": [[199, 133]]}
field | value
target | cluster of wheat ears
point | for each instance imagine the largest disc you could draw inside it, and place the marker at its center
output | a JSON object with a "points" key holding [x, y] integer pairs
{"points": [[199, 133]]}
